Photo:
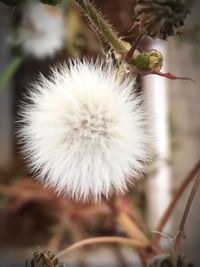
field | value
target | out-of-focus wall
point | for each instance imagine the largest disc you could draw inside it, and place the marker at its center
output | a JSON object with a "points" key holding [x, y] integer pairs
{"points": [[184, 105]]}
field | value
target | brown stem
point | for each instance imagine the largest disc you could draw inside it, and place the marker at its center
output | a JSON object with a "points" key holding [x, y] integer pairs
{"points": [[133, 231], [185, 214], [130, 53], [178, 194], [131, 228], [103, 239], [129, 225]]}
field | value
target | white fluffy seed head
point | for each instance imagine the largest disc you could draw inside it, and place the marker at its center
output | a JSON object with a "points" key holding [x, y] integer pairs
{"points": [[41, 31], [84, 131]]}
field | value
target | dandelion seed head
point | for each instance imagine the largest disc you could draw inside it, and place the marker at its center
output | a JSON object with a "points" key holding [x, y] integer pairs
{"points": [[84, 131]]}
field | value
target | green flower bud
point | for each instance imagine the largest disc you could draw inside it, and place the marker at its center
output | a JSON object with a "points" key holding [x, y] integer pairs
{"points": [[155, 60], [149, 60], [142, 61]]}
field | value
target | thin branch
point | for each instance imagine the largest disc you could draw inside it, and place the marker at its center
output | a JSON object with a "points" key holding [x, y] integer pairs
{"points": [[129, 225], [131, 228], [174, 201], [185, 214], [97, 240], [130, 53]]}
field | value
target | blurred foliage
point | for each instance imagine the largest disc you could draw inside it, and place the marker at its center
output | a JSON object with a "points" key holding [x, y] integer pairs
{"points": [[7, 75]]}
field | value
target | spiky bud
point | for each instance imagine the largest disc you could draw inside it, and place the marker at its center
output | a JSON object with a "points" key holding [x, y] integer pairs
{"points": [[160, 18]]}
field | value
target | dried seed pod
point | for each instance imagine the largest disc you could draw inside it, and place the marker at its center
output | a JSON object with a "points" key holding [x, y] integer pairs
{"points": [[160, 18], [44, 259]]}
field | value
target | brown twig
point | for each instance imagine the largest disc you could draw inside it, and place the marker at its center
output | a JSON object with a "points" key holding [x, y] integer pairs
{"points": [[185, 214], [132, 229], [104, 239], [130, 53], [129, 225], [174, 201]]}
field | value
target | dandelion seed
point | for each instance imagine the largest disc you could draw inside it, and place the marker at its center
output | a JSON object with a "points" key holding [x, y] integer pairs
{"points": [[84, 132], [41, 30]]}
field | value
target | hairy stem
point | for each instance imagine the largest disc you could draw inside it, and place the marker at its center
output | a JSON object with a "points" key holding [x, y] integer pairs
{"points": [[98, 240], [104, 29], [185, 214], [174, 201]]}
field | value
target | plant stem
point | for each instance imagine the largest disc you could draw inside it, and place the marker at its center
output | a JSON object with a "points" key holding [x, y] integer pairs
{"points": [[131, 228], [185, 214], [98, 240], [174, 201], [130, 53], [104, 29]]}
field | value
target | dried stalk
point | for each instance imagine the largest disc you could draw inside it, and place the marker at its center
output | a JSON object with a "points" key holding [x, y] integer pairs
{"points": [[166, 216], [185, 214], [128, 224], [97, 240], [131, 228]]}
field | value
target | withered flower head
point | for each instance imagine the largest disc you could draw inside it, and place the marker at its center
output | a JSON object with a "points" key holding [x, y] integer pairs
{"points": [[43, 259], [160, 18]]}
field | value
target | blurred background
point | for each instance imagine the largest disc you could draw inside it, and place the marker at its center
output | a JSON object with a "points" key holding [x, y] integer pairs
{"points": [[34, 37]]}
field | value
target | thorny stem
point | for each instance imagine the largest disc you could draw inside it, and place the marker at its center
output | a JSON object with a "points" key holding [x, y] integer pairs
{"points": [[185, 214], [166, 216], [104, 29], [98, 240]]}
